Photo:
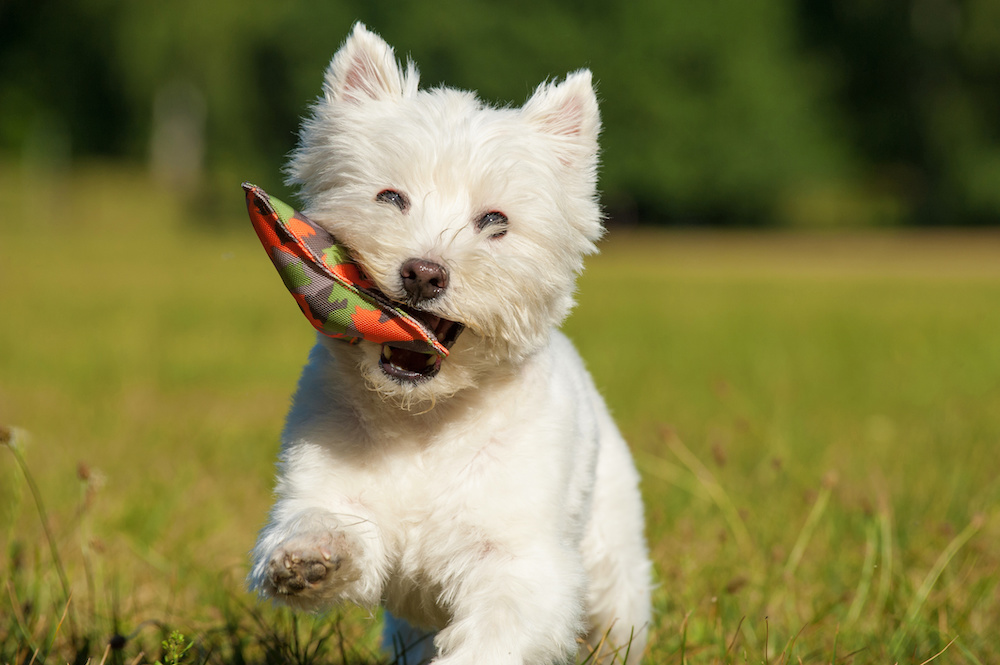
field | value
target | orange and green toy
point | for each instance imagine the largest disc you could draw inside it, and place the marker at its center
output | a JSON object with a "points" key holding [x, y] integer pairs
{"points": [[330, 288]]}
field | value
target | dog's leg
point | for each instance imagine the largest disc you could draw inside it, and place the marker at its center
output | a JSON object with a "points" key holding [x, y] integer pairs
{"points": [[515, 608], [616, 558], [313, 558]]}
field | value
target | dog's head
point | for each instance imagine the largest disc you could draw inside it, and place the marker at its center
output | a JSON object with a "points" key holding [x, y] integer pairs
{"points": [[475, 217]]}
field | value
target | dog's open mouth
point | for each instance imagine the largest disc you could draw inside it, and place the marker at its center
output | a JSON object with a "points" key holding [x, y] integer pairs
{"points": [[410, 366]]}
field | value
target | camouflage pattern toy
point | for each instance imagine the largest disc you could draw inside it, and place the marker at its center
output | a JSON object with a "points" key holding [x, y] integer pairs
{"points": [[331, 290]]}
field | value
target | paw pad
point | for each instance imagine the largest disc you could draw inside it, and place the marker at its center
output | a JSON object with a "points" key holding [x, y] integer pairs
{"points": [[296, 571], [310, 567]]}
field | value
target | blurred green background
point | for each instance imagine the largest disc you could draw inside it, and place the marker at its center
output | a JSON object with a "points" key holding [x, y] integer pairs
{"points": [[724, 112]]}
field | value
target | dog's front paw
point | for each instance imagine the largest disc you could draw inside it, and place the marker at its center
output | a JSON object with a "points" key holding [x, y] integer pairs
{"points": [[310, 569], [297, 571]]}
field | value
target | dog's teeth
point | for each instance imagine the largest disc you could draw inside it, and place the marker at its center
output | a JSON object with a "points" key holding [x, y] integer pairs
{"points": [[387, 352], [431, 360]]}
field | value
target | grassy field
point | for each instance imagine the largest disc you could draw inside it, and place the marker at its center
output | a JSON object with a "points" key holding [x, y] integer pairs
{"points": [[815, 418]]}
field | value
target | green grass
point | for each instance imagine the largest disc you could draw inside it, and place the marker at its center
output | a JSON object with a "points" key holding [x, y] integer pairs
{"points": [[814, 417]]}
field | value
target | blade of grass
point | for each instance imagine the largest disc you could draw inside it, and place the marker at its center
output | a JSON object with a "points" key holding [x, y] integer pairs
{"points": [[684, 633], [714, 489], [657, 467], [971, 657], [767, 638], [595, 652], [932, 577], [806, 533], [9, 439], [55, 633], [885, 539], [104, 658], [940, 652], [19, 620], [732, 642], [787, 651], [867, 573], [628, 647]]}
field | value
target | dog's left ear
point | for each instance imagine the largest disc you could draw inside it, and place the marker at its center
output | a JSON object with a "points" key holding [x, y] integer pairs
{"points": [[365, 68], [568, 113]]}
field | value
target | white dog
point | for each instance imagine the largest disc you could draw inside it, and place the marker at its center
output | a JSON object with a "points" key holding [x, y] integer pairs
{"points": [[486, 500]]}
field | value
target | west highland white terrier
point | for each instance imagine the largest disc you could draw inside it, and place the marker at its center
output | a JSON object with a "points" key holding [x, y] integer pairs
{"points": [[487, 500]]}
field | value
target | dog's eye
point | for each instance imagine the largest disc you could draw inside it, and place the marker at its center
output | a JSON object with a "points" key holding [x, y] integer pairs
{"points": [[494, 222], [393, 197]]}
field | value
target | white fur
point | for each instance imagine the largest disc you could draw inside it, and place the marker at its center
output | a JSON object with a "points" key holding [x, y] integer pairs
{"points": [[493, 509]]}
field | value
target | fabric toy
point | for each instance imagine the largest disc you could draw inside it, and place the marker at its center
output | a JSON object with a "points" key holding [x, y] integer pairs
{"points": [[330, 288]]}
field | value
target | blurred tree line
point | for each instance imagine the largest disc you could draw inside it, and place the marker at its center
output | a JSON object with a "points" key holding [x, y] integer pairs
{"points": [[794, 112]]}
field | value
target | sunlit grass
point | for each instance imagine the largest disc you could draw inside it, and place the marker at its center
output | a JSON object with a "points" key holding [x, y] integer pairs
{"points": [[814, 416], [841, 394]]}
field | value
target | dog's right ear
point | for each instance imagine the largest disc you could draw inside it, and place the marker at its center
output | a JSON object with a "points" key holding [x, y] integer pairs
{"points": [[567, 113], [365, 68]]}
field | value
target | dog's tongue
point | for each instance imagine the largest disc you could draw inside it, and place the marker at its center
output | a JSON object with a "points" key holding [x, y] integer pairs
{"points": [[331, 291]]}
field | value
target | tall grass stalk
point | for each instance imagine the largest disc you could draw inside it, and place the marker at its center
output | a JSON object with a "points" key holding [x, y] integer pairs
{"points": [[9, 438], [867, 574], [736, 634], [920, 597], [940, 653], [887, 557], [713, 488], [805, 534]]}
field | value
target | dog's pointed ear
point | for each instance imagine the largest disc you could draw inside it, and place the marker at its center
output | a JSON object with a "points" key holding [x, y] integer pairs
{"points": [[568, 112], [365, 68]]}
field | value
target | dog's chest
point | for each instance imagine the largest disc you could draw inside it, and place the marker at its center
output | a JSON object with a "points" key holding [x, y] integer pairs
{"points": [[440, 514], [434, 482]]}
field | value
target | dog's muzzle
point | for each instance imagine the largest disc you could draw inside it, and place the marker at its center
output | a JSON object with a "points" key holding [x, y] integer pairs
{"points": [[341, 302]]}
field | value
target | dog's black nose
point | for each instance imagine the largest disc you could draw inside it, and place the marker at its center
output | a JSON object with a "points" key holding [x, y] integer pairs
{"points": [[423, 280]]}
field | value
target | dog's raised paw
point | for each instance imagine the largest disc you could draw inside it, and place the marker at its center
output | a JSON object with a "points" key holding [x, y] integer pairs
{"points": [[294, 574], [310, 567]]}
